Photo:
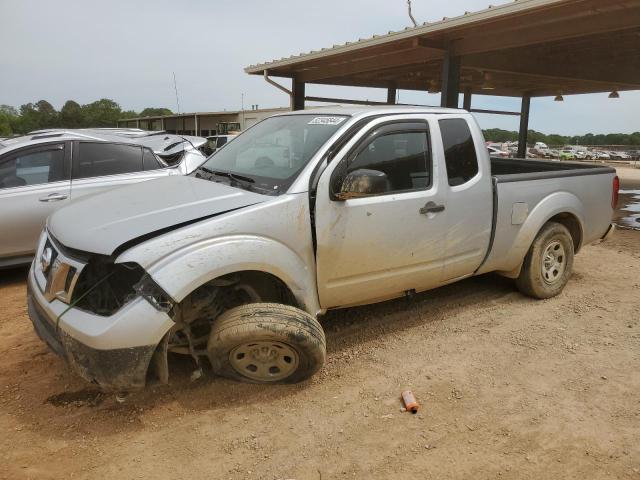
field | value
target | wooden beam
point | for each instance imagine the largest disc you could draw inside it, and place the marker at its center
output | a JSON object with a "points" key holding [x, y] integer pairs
{"points": [[558, 81], [524, 126], [523, 33], [593, 63], [466, 102], [493, 112], [344, 100], [297, 95], [429, 43], [450, 81], [392, 91], [357, 66]]}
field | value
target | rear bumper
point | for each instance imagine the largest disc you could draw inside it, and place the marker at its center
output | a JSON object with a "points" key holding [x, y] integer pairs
{"points": [[112, 368]]}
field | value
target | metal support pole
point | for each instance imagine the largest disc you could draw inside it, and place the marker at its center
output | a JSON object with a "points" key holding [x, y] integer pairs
{"points": [[196, 126], [162, 123], [450, 81], [466, 102], [137, 123], [297, 95], [392, 91], [524, 126]]}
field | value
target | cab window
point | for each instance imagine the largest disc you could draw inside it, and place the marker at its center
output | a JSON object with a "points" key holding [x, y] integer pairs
{"points": [[403, 156], [459, 151]]}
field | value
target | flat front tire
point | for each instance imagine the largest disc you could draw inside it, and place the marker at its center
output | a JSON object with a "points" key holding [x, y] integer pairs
{"points": [[548, 264], [266, 343]]}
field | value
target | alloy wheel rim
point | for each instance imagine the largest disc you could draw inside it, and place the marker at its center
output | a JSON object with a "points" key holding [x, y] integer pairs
{"points": [[265, 361], [554, 262]]}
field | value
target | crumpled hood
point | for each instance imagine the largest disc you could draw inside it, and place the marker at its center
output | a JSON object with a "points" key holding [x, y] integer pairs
{"points": [[102, 222]]}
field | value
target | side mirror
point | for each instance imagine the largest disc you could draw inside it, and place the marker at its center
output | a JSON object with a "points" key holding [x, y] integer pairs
{"points": [[363, 183]]}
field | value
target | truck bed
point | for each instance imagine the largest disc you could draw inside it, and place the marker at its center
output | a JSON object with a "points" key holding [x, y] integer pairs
{"points": [[518, 170], [526, 191]]}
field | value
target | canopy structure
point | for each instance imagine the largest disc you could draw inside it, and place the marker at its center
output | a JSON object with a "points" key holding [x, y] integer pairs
{"points": [[527, 48]]}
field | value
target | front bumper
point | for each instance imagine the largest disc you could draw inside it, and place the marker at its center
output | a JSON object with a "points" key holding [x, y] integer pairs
{"points": [[113, 352]]}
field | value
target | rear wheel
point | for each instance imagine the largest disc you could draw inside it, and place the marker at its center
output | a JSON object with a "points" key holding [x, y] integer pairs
{"points": [[266, 343], [549, 263]]}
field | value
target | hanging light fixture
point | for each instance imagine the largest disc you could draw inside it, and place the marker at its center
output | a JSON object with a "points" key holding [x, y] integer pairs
{"points": [[614, 94], [434, 86], [487, 83], [559, 98]]}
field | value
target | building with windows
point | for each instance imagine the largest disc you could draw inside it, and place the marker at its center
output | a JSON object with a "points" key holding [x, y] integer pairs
{"points": [[202, 123]]}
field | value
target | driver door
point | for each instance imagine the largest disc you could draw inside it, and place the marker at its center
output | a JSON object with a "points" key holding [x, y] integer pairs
{"points": [[379, 246]]}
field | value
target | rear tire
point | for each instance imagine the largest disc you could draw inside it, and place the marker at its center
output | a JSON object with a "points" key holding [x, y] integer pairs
{"points": [[266, 343], [548, 264]]}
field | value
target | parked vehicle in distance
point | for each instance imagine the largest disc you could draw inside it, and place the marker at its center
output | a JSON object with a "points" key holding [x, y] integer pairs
{"points": [[618, 155], [600, 155], [567, 154], [235, 262], [215, 142], [496, 152], [45, 170]]}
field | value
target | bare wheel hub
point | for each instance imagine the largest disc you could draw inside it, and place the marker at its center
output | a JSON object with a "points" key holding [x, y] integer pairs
{"points": [[265, 361], [553, 262]]}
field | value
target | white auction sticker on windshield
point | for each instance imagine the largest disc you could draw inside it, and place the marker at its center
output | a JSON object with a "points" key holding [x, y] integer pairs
{"points": [[327, 121]]}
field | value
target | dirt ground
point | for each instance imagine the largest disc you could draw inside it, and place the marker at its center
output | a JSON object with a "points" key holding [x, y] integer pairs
{"points": [[510, 388]]}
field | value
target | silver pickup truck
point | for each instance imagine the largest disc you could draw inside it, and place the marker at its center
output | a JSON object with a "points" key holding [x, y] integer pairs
{"points": [[304, 212]]}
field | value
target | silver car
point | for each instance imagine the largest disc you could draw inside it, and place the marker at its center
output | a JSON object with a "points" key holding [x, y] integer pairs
{"points": [[47, 169]]}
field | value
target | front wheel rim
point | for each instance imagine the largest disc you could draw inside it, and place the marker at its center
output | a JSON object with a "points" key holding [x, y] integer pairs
{"points": [[554, 262], [264, 360]]}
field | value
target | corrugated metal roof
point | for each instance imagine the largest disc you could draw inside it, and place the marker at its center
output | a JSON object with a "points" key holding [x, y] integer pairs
{"points": [[468, 18]]}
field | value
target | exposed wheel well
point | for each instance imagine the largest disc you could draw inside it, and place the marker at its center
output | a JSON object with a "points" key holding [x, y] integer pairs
{"points": [[197, 312], [573, 225]]}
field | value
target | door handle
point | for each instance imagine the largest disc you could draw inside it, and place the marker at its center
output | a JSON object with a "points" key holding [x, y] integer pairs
{"points": [[53, 197], [431, 207]]}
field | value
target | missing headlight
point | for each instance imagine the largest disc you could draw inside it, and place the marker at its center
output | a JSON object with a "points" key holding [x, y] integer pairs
{"points": [[104, 287], [152, 293]]}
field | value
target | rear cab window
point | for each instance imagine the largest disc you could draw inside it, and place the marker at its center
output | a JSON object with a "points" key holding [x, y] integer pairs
{"points": [[459, 151]]}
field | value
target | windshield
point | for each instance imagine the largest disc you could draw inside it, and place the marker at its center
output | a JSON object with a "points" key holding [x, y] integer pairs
{"points": [[268, 157]]}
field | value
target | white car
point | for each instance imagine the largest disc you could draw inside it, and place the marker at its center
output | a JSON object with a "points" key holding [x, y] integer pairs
{"points": [[215, 142], [47, 169], [496, 152], [233, 264], [600, 155]]}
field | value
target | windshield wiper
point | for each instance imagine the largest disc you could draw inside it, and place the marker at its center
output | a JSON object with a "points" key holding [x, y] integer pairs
{"points": [[232, 176], [246, 182]]}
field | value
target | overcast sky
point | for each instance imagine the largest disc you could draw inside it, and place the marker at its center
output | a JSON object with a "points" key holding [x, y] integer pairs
{"points": [[125, 50]]}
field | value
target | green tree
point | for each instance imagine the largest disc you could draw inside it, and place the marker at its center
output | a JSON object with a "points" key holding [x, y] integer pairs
{"points": [[71, 115], [155, 112], [499, 135], [8, 118], [101, 113], [129, 114], [47, 116]]}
